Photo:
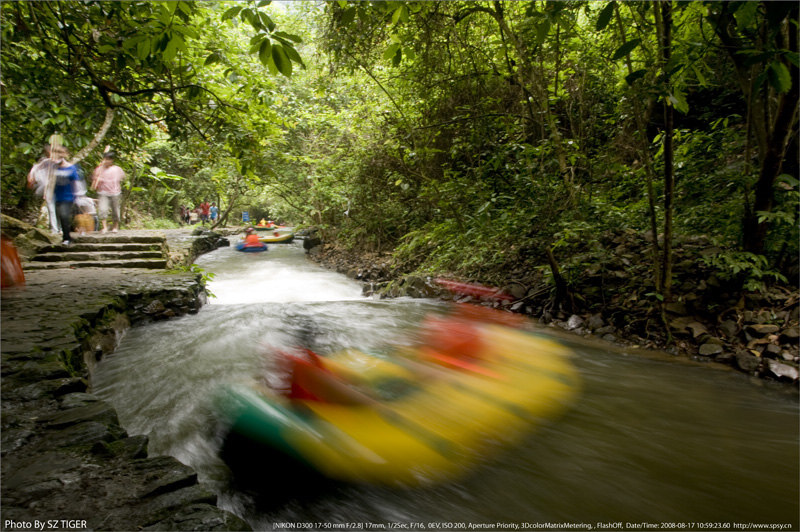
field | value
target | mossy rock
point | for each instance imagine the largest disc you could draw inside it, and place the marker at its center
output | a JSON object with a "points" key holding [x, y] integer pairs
{"points": [[27, 238]]}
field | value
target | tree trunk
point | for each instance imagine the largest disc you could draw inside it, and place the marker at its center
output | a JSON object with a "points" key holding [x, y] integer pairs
{"points": [[780, 132], [669, 176], [772, 135], [223, 217], [650, 172]]}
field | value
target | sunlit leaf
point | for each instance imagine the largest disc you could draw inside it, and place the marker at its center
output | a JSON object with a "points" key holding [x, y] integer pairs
{"points": [[232, 12], [143, 49], [678, 100], [391, 51], [400, 15], [779, 77], [186, 30], [291, 37], [170, 51]]}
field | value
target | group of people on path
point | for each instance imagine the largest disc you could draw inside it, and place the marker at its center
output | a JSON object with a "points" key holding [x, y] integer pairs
{"points": [[203, 213], [62, 185]]}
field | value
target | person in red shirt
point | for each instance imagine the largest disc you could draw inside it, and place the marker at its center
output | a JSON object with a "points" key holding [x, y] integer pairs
{"points": [[205, 210]]}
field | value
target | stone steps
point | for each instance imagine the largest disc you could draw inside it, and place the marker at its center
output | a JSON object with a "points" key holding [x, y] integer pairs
{"points": [[84, 256], [127, 263], [100, 247], [115, 250], [117, 238]]}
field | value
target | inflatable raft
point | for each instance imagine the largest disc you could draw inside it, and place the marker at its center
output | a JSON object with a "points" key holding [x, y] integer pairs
{"points": [[411, 416], [277, 238], [250, 248]]}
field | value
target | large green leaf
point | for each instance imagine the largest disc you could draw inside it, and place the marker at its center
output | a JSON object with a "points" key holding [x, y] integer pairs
{"points": [[143, 48], [779, 77], [170, 51], [400, 14], [391, 51], [281, 60], [605, 17], [232, 12], [631, 78], [289, 36], [265, 51], [293, 55], [626, 49]]}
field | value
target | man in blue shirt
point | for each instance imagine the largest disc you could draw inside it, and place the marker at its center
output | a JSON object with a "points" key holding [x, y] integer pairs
{"points": [[66, 177]]}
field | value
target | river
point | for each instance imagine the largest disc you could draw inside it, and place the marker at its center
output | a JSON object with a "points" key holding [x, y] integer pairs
{"points": [[649, 440]]}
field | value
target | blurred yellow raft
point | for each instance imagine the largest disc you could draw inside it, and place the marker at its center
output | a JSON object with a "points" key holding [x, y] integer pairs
{"points": [[277, 237], [431, 411]]}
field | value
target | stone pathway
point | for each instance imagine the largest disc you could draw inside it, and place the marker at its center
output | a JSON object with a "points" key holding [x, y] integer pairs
{"points": [[66, 460]]}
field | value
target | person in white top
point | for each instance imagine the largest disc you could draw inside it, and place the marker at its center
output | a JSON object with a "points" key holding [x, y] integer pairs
{"points": [[107, 181], [38, 180]]}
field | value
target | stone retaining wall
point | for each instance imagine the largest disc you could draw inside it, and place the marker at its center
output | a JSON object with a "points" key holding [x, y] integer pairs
{"points": [[66, 461]]}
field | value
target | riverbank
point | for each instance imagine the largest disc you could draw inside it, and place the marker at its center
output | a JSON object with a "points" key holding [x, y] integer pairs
{"points": [[66, 460], [709, 321]]}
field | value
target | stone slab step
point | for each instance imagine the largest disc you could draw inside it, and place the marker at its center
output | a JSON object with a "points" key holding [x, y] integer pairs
{"points": [[115, 238], [93, 246], [83, 256], [132, 263]]}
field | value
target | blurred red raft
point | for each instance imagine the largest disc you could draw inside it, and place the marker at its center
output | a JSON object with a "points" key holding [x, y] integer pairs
{"points": [[414, 416]]}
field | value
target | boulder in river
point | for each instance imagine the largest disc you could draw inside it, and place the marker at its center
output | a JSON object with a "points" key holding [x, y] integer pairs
{"points": [[595, 322], [747, 361], [574, 322], [781, 370]]}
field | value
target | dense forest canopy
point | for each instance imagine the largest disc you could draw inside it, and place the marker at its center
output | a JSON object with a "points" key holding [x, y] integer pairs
{"points": [[463, 137]]}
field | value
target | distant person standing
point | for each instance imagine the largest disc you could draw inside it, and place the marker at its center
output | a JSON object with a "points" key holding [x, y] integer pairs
{"points": [[214, 213], [107, 181], [67, 181]]}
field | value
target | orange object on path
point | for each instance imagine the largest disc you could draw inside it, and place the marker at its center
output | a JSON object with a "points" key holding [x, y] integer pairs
{"points": [[12, 274]]}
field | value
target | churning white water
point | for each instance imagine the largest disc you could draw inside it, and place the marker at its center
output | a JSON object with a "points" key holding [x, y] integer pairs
{"points": [[274, 276]]}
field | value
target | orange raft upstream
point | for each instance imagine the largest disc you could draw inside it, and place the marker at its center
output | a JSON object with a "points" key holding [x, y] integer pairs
{"points": [[414, 416]]}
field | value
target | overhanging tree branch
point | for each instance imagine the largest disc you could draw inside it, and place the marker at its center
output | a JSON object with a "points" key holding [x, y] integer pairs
{"points": [[101, 133]]}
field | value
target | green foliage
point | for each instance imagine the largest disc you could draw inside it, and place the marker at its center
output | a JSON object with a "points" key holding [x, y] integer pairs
{"points": [[466, 137], [752, 271], [275, 49], [204, 275]]}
